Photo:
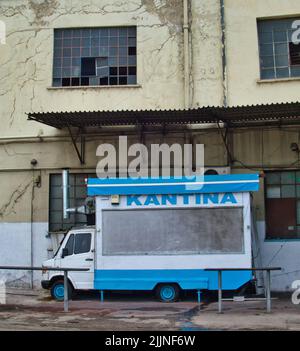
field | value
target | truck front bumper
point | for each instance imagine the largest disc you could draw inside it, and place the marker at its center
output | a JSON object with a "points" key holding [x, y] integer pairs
{"points": [[45, 284]]}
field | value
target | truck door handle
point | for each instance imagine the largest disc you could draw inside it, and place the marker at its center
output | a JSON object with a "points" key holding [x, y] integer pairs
{"points": [[89, 259]]}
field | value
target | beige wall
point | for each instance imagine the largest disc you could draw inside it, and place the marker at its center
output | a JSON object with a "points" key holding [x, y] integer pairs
{"points": [[243, 56], [26, 59], [253, 150], [26, 73]]}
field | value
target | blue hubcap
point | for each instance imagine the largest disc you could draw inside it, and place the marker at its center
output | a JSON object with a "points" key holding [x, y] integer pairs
{"points": [[59, 292], [167, 293]]}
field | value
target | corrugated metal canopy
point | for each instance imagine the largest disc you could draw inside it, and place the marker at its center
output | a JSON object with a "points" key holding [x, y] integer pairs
{"points": [[284, 113]]}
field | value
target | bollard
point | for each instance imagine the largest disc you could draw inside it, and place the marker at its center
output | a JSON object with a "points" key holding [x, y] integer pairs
{"points": [[66, 292], [220, 291]]}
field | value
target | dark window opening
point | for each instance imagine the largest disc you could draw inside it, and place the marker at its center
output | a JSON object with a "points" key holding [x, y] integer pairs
{"points": [[123, 80], [113, 80], [132, 71], [132, 51], [65, 82], [88, 66], [104, 81], [123, 71], [75, 81], [113, 71], [294, 54], [85, 81]]}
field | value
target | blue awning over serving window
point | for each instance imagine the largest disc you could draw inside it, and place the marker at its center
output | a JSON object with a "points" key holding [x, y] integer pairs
{"points": [[233, 183]]}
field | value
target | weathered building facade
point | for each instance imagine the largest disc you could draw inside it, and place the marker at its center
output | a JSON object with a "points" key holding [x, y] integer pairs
{"points": [[99, 55]]}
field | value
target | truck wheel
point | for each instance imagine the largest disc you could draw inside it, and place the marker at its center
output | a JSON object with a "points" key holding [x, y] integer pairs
{"points": [[167, 292], [57, 290]]}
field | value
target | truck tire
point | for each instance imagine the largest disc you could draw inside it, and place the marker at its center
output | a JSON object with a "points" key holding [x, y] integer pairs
{"points": [[57, 290], [167, 292]]}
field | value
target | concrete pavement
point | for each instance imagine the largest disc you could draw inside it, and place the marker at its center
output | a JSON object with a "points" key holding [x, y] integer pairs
{"points": [[35, 310]]}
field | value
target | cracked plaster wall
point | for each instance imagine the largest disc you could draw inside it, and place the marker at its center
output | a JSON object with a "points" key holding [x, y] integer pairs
{"points": [[26, 70], [26, 59], [26, 73]]}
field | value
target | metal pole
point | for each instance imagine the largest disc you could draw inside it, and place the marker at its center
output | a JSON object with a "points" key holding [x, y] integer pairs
{"points": [[199, 297], [186, 54], [268, 292], [224, 57], [65, 188], [66, 292], [220, 290]]}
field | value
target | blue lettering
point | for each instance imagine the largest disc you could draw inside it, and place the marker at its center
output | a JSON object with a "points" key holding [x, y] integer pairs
{"points": [[198, 199], [133, 200], [229, 197], [171, 199], [213, 198], [186, 199], [152, 200]]}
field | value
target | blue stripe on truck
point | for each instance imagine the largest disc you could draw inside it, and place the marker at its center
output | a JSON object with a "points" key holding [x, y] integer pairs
{"points": [[187, 279], [195, 185]]}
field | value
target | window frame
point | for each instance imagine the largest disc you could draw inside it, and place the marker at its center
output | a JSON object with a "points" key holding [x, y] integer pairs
{"points": [[85, 235], [56, 222], [96, 81], [297, 199], [293, 70], [72, 235]]}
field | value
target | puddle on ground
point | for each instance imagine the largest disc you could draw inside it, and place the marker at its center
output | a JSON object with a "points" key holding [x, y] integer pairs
{"points": [[190, 327], [46, 298]]}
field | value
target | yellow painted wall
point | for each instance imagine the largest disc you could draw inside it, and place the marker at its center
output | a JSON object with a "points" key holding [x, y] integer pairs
{"points": [[26, 74], [26, 59], [243, 53]]}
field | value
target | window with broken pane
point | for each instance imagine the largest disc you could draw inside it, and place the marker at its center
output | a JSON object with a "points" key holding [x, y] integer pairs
{"points": [[94, 56], [279, 55]]}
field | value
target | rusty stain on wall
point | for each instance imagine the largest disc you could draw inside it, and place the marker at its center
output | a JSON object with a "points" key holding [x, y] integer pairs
{"points": [[42, 9], [170, 13]]}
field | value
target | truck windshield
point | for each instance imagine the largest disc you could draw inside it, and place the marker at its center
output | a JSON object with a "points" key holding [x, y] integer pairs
{"points": [[59, 245]]}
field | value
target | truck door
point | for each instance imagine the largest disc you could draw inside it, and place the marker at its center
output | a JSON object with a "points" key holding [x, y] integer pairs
{"points": [[79, 253]]}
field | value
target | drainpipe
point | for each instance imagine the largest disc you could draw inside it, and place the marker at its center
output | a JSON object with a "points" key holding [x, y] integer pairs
{"points": [[186, 54], [65, 187], [31, 231], [224, 58], [228, 138]]}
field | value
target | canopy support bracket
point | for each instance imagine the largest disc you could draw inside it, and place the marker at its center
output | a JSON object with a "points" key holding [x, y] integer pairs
{"points": [[80, 152]]}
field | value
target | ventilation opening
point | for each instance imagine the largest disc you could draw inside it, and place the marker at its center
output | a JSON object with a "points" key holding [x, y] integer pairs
{"points": [[211, 172]]}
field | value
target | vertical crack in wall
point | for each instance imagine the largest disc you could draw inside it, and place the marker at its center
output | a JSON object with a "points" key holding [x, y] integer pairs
{"points": [[9, 207], [191, 63]]}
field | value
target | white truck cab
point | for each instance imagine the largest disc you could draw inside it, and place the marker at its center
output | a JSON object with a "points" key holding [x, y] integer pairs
{"points": [[77, 250]]}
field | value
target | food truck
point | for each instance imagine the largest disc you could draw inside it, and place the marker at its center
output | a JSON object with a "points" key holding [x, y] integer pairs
{"points": [[160, 235]]}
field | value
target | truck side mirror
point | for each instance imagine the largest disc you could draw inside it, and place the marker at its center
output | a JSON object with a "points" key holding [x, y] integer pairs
{"points": [[65, 252]]}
